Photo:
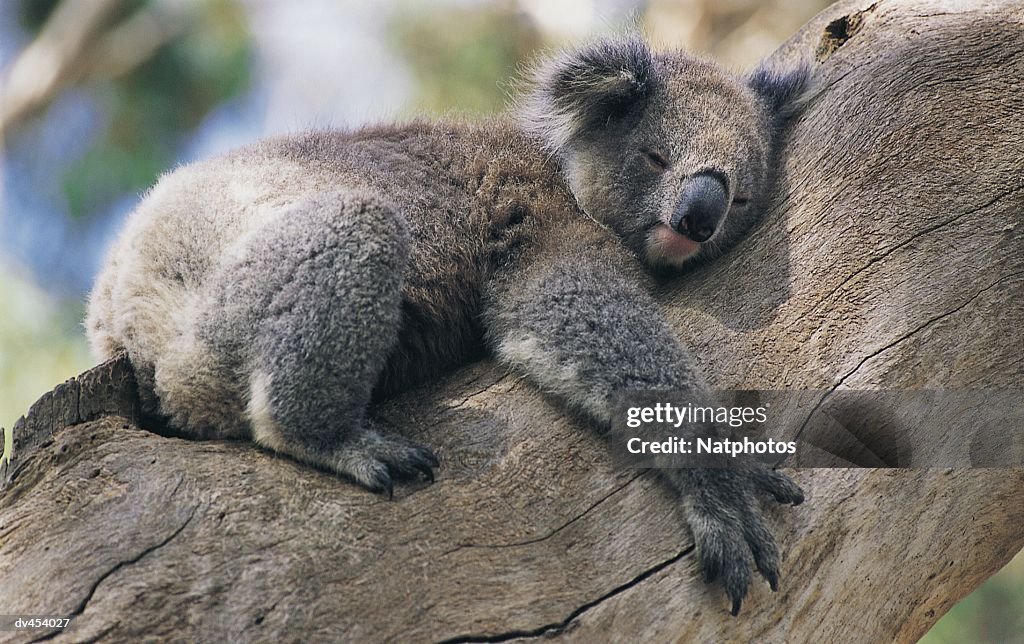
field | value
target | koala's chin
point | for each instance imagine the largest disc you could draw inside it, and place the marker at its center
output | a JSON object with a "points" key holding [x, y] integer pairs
{"points": [[667, 248]]}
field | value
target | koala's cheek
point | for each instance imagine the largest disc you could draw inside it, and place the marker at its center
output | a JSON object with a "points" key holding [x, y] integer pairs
{"points": [[665, 247]]}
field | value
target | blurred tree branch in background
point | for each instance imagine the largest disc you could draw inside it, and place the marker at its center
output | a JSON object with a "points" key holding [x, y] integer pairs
{"points": [[136, 39], [138, 77], [735, 32], [82, 38]]}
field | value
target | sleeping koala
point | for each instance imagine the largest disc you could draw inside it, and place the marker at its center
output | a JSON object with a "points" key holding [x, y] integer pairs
{"points": [[273, 293]]}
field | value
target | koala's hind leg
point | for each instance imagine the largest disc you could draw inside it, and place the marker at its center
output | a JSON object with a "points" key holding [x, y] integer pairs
{"points": [[318, 293]]}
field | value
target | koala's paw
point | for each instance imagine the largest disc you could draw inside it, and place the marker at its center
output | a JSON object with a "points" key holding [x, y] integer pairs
{"points": [[725, 516], [375, 461]]}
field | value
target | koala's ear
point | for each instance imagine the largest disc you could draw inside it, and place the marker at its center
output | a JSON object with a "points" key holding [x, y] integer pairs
{"points": [[586, 88], [784, 93]]}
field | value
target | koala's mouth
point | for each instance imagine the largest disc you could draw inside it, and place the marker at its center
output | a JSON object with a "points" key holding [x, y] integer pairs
{"points": [[667, 247]]}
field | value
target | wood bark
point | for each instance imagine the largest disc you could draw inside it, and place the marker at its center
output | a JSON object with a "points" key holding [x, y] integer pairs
{"points": [[892, 258]]}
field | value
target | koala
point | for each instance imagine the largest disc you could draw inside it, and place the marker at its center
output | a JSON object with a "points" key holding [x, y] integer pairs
{"points": [[274, 293]]}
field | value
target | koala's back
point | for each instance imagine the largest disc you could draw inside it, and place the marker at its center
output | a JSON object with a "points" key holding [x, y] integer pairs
{"points": [[455, 189]]}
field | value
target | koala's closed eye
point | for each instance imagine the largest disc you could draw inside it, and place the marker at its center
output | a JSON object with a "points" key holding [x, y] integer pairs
{"points": [[655, 159]]}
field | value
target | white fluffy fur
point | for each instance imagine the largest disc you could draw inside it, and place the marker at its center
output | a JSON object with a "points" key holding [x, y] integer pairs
{"points": [[264, 431], [558, 377]]}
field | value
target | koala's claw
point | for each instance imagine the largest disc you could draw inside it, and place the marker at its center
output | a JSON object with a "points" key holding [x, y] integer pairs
{"points": [[729, 530], [410, 462], [371, 474], [736, 602], [779, 486], [723, 555], [377, 460], [427, 471]]}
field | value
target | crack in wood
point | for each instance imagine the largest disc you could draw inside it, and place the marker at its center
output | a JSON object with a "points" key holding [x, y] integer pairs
{"points": [[559, 627], [897, 341], [483, 390], [121, 564], [565, 525], [917, 235]]}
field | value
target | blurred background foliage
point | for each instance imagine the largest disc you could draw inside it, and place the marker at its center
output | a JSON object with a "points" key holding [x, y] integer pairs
{"points": [[98, 97], [461, 56]]}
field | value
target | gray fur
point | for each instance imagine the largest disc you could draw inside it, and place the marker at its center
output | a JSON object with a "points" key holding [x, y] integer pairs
{"points": [[273, 293]]}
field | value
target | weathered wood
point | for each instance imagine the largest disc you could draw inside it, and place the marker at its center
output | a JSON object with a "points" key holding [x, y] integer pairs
{"points": [[892, 259], [108, 389]]}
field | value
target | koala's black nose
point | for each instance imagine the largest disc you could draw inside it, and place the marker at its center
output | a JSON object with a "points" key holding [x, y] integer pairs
{"points": [[702, 206]]}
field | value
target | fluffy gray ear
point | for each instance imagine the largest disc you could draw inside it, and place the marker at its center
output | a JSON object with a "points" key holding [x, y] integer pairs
{"points": [[784, 93], [586, 88]]}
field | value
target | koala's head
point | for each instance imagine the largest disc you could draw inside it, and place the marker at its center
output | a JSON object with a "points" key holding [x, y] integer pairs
{"points": [[668, 150]]}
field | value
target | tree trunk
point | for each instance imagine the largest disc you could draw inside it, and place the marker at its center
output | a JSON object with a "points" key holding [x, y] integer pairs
{"points": [[892, 259]]}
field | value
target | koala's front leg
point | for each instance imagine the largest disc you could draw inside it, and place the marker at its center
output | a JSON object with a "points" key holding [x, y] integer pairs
{"points": [[581, 325]]}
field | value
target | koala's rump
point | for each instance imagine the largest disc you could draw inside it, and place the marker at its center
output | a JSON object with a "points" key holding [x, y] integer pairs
{"points": [[158, 285]]}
